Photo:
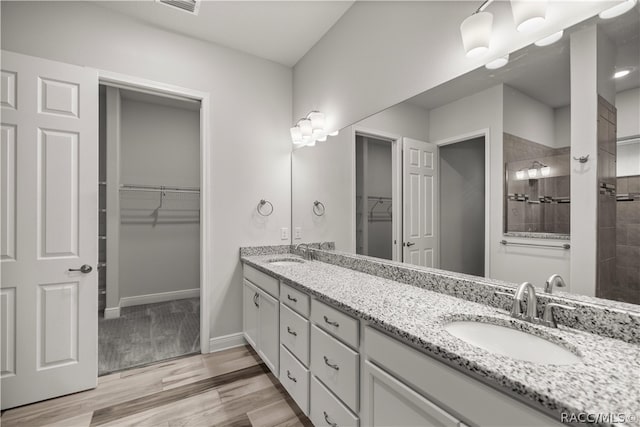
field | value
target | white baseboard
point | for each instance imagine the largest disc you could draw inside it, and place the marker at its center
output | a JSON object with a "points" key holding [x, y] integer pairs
{"points": [[160, 297], [226, 341], [112, 313]]}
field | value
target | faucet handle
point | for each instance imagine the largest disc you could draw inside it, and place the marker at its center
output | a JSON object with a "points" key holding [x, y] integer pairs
{"points": [[547, 316]]}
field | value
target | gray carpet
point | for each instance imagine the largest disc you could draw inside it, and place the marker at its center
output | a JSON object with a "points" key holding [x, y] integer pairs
{"points": [[148, 333]]}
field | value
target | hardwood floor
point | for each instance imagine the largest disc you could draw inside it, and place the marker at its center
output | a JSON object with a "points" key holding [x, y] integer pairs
{"points": [[228, 388]]}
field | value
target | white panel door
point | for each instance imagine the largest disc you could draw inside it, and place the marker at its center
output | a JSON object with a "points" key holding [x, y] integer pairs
{"points": [[49, 164], [419, 192]]}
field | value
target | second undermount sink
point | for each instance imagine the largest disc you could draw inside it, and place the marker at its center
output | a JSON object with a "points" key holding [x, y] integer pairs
{"points": [[512, 343], [286, 262]]}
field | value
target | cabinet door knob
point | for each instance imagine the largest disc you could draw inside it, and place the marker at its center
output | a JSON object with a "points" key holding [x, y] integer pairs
{"points": [[331, 365], [84, 269]]}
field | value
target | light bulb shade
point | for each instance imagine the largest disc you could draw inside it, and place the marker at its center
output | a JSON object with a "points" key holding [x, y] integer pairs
{"points": [[545, 170], [520, 175], [305, 127], [618, 9], [317, 120], [550, 39], [322, 138], [528, 15], [476, 33], [334, 133], [296, 135], [497, 63], [532, 173]]}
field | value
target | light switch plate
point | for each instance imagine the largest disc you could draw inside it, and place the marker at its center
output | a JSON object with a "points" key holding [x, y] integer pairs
{"points": [[284, 233], [297, 233]]}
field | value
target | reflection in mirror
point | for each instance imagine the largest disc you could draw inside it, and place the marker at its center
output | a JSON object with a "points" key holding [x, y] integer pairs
{"points": [[475, 175]]}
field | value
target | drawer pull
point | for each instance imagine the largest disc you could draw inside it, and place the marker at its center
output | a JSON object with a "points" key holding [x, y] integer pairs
{"points": [[290, 298], [331, 365], [331, 322], [294, 333], [290, 377], [328, 420], [255, 299]]}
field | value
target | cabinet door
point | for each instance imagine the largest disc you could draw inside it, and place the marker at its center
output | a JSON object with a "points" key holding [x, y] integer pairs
{"points": [[268, 331], [250, 313], [390, 402]]}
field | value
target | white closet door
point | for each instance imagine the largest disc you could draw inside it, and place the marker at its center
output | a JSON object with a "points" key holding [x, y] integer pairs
{"points": [[419, 193], [49, 324]]}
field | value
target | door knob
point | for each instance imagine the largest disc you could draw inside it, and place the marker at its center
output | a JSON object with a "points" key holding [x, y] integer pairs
{"points": [[410, 243], [84, 269]]}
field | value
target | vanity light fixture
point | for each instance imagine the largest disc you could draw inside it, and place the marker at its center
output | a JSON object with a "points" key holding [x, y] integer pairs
{"points": [[309, 129], [545, 170], [520, 174], [529, 15], [618, 9], [334, 133], [497, 63], [532, 172], [476, 32], [621, 73], [546, 41]]}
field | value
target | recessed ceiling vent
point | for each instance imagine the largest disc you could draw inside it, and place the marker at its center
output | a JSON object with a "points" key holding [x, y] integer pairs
{"points": [[191, 6]]}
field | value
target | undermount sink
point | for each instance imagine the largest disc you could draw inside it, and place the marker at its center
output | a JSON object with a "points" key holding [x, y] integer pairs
{"points": [[512, 343], [286, 262]]}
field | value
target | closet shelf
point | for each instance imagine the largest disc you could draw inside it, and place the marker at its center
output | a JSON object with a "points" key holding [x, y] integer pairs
{"points": [[159, 188]]}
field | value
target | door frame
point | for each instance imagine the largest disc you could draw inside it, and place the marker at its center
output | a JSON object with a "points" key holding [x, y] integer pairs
{"points": [[396, 160], [206, 172], [486, 133]]}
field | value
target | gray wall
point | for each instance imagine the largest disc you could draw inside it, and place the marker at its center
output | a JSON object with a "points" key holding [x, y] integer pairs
{"points": [[160, 145], [462, 207]]}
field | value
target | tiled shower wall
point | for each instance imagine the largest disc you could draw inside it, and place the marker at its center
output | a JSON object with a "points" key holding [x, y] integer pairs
{"points": [[628, 241], [607, 142]]}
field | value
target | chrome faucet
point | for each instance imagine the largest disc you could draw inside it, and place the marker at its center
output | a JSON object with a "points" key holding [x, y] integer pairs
{"points": [[516, 309], [556, 280], [306, 253]]}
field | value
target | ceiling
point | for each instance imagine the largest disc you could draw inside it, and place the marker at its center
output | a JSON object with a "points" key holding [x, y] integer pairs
{"points": [[281, 31], [543, 73]]}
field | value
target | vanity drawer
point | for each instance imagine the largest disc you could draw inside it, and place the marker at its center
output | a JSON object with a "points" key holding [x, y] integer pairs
{"points": [[294, 333], [335, 322], [298, 301], [295, 379], [336, 365], [269, 284], [326, 409]]}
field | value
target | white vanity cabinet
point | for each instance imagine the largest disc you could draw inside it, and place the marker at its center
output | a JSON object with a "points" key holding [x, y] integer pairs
{"points": [[261, 316]]}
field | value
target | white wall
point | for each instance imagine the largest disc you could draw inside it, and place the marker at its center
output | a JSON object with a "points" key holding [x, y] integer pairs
{"points": [[484, 110], [528, 118], [249, 162], [628, 106], [159, 145], [562, 126], [326, 172], [381, 53]]}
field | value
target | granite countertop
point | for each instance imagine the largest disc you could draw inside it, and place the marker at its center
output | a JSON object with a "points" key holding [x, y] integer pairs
{"points": [[606, 382]]}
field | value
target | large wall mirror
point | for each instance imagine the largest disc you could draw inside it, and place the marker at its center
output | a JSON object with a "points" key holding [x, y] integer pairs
{"points": [[474, 176]]}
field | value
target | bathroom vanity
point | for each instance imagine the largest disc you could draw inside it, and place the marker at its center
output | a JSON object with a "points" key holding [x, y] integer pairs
{"points": [[361, 341]]}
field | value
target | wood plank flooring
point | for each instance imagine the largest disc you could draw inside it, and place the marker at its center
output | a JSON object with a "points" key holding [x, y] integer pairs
{"points": [[228, 388]]}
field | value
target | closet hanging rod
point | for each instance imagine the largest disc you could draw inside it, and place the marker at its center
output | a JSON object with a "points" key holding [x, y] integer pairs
{"points": [[157, 188]]}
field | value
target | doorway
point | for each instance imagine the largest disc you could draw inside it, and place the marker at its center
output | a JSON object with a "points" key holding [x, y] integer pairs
{"points": [[149, 228], [462, 206], [374, 196]]}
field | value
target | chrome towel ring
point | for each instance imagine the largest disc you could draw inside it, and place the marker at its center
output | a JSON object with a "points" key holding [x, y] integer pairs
{"points": [[318, 208], [261, 207]]}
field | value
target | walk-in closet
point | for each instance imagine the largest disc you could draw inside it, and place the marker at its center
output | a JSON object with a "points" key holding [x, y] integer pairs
{"points": [[149, 228]]}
